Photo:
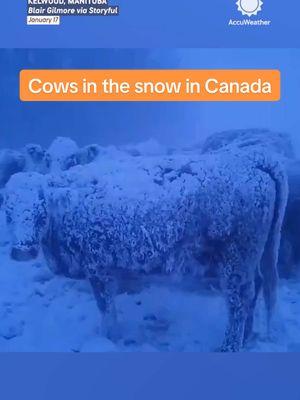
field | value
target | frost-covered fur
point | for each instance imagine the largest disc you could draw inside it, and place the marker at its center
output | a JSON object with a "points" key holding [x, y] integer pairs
{"points": [[159, 215], [278, 142], [281, 144], [289, 255]]}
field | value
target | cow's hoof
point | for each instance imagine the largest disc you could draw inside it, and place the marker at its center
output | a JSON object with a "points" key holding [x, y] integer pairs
{"points": [[252, 338], [130, 342], [155, 324], [112, 333], [111, 329], [227, 348]]}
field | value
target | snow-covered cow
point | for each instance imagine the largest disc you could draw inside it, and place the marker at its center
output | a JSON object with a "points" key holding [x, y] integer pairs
{"points": [[82, 156], [289, 255], [31, 158], [281, 144], [278, 142], [159, 215]]}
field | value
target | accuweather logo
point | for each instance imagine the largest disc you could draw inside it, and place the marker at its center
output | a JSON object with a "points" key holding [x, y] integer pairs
{"points": [[250, 9]]}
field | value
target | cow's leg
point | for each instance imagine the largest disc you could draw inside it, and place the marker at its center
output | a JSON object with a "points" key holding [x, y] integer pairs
{"points": [[249, 321], [239, 296], [270, 275], [237, 279], [104, 287]]}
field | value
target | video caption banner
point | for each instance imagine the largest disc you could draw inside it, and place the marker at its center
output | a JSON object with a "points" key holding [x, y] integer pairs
{"points": [[150, 85]]}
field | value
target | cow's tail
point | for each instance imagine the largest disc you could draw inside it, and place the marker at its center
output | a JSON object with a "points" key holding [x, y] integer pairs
{"points": [[275, 169]]}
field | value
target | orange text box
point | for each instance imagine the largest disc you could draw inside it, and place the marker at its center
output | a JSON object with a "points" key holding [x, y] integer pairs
{"points": [[150, 85]]}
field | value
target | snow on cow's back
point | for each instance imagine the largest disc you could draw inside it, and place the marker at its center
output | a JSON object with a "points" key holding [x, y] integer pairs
{"points": [[25, 180], [275, 142], [120, 175], [133, 177]]}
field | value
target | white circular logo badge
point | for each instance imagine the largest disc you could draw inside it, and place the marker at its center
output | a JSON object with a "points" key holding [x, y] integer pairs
{"points": [[249, 7]]}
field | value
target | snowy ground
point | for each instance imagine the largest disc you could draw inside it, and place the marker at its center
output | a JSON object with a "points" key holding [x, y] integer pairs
{"points": [[43, 312]]}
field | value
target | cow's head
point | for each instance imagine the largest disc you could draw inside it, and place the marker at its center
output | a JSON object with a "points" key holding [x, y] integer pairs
{"points": [[59, 151], [26, 214], [37, 159], [83, 156]]}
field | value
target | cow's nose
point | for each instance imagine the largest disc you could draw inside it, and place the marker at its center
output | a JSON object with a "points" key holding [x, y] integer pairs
{"points": [[24, 254]]}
